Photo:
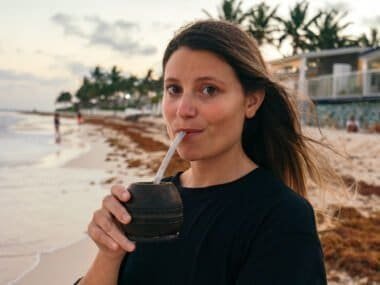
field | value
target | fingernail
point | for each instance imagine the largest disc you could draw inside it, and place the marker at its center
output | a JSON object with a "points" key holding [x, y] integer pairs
{"points": [[125, 195], [127, 218]]}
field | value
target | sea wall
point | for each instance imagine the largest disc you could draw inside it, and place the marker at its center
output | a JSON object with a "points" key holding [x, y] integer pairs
{"points": [[335, 114]]}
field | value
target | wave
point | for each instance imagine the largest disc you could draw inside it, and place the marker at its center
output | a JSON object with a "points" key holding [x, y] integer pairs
{"points": [[38, 257]]}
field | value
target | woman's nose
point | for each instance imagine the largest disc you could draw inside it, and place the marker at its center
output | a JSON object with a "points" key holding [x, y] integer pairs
{"points": [[186, 106]]}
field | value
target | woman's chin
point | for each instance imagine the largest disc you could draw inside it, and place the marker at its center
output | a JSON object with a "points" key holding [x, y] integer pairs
{"points": [[188, 155]]}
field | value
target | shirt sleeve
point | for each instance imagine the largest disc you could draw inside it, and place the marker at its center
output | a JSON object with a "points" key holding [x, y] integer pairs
{"points": [[286, 249]]}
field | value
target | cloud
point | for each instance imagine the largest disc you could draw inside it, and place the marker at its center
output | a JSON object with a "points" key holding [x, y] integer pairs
{"points": [[22, 90], [372, 22], [14, 76], [77, 68], [117, 35], [164, 25], [339, 6], [69, 24]]}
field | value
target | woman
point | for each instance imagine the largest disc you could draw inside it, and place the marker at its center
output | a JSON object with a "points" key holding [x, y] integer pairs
{"points": [[246, 220]]}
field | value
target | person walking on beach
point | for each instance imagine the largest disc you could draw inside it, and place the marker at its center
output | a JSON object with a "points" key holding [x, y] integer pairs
{"points": [[79, 118], [57, 123], [246, 216]]}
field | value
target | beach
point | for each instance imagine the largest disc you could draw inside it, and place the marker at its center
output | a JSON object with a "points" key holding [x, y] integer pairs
{"points": [[107, 150], [51, 196]]}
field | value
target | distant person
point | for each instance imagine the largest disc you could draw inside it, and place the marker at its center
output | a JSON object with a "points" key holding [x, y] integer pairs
{"points": [[352, 125], [79, 118], [57, 124]]}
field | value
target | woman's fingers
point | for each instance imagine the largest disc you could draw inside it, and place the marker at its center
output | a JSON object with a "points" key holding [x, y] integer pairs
{"points": [[120, 192], [98, 235], [105, 228], [112, 205], [108, 225]]}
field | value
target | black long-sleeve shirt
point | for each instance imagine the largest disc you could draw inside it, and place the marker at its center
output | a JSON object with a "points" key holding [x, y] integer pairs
{"points": [[254, 230]]}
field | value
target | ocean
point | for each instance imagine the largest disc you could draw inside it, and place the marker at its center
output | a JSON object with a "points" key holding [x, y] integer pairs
{"points": [[43, 205]]}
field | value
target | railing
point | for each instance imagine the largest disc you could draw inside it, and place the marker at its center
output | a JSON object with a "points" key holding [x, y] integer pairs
{"points": [[347, 85], [353, 84]]}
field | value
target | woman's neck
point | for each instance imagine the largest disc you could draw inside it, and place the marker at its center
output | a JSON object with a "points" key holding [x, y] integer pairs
{"points": [[217, 170]]}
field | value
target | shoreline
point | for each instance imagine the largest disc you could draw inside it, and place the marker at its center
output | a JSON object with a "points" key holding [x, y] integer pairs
{"points": [[77, 257], [41, 256], [70, 149]]}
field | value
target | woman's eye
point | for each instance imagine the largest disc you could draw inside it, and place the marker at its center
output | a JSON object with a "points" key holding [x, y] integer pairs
{"points": [[173, 89], [209, 90]]}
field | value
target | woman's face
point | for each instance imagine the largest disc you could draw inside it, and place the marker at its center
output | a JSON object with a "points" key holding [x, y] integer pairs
{"points": [[202, 92]]}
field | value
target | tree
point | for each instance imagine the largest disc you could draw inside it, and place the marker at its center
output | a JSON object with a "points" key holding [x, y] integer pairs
{"points": [[99, 82], [327, 32], [98, 75], [372, 41], [113, 82], [64, 96], [87, 91], [114, 76], [230, 11], [260, 23], [294, 27]]}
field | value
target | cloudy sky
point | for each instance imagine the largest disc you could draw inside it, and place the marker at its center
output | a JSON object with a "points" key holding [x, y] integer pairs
{"points": [[48, 46]]}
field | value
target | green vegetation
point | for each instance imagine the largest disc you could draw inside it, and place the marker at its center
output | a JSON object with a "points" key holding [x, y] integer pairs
{"points": [[113, 91]]}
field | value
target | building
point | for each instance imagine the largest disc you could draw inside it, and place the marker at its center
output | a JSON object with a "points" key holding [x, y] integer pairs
{"points": [[346, 77], [331, 74]]}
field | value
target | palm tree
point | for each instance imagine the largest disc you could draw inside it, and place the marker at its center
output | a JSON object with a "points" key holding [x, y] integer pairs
{"points": [[98, 86], [64, 96], [87, 91], [113, 81], [230, 11], [294, 27], [128, 85], [113, 86], [114, 76], [260, 23], [372, 41], [327, 32], [144, 86], [98, 75]]}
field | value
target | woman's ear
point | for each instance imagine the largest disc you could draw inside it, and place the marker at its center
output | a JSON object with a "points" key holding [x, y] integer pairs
{"points": [[253, 101]]}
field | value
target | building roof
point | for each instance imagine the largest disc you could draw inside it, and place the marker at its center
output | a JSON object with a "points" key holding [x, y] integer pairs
{"points": [[371, 52], [322, 53]]}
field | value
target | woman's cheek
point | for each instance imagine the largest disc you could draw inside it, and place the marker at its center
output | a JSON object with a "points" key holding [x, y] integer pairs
{"points": [[168, 114], [213, 114]]}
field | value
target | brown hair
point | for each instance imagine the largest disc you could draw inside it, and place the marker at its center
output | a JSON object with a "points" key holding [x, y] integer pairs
{"points": [[273, 137]]}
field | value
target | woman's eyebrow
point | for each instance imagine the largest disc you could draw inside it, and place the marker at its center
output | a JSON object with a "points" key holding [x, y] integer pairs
{"points": [[171, 79], [198, 79], [209, 78]]}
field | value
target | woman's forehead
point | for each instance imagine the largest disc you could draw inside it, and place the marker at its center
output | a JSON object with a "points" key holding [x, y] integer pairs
{"points": [[196, 63]]}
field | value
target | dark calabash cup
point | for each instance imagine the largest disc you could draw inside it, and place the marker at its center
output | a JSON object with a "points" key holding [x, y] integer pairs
{"points": [[156, 210]]}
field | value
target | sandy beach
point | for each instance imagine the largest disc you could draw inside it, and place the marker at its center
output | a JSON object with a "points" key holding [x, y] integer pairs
{"points": [[132, 150]]}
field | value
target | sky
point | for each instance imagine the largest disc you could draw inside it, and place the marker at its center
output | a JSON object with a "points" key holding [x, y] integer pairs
{"points": [[47, 46]]}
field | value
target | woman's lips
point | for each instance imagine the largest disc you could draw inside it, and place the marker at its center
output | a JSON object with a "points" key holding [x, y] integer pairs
{"points": [[191, 133]]}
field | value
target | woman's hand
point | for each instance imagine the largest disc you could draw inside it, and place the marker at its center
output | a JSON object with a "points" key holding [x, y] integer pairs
{"points": [[104, 228]]}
